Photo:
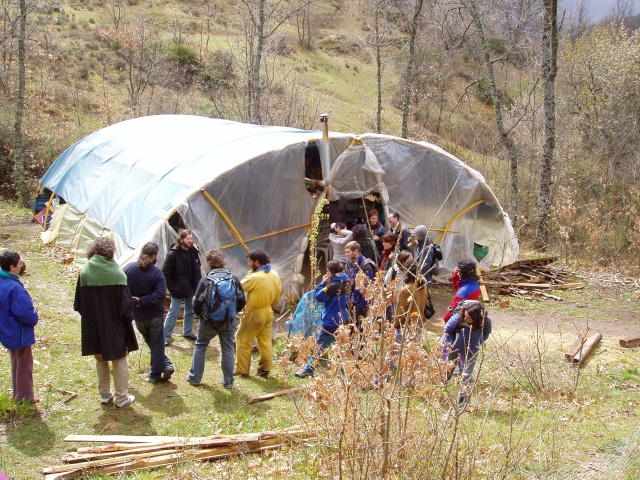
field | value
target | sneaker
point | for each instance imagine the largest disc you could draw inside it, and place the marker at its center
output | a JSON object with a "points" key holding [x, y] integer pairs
{"points": [[228, 386], [166, 343], [262, 373], [191, 336], [303, 373], [130, 399], [105, 399], [191, 383], [166, 375]]}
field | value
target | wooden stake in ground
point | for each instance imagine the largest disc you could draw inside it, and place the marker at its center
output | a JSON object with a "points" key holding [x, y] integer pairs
{"points": [[581, 348], [279, 393]]}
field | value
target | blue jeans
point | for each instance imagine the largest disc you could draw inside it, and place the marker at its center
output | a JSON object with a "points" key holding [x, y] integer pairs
{"points": [[172, 316], [206, 332], [324, 340], [152, 330]]}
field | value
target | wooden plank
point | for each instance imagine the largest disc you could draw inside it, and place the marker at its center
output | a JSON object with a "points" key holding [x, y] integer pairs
{"points": [[569, 286], [123, 438], [483, 289]]}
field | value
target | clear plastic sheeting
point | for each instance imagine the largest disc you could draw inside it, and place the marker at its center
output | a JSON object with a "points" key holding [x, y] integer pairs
{"points": [[240, 187]]}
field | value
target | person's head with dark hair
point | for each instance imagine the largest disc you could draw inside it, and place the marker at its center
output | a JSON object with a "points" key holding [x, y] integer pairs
{"points": [[404, 258], [185, 239], [9, 259], [335, 267], [413, 274], [359, 231], [148, 255], [389, 241], [258, 258], [474, 313], [215, 259], [467, 270], [103, 246], [393, 219]]}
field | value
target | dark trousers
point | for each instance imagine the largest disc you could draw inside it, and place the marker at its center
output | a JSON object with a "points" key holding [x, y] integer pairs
{"points": [[152, 330], [22, 374]]}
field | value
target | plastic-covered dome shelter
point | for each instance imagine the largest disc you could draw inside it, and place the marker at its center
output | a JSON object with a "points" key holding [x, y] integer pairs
{"points": [[240, 186]]}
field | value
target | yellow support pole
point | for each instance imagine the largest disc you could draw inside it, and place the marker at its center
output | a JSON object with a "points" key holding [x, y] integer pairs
{"points": [[270, 234], [46, 214], [440, 237], [226, 220]]}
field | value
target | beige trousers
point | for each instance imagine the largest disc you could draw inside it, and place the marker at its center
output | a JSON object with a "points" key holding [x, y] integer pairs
{"points": [[120, 378]]}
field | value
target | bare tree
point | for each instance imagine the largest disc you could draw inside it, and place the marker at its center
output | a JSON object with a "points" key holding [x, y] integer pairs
{"points": [[412, 25], [18, 159], [264, 18], [549, 71], [117, 12]]}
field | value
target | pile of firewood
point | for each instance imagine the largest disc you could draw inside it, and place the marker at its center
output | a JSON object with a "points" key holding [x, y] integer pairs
{"points": [[129, 453], [531, 278]]}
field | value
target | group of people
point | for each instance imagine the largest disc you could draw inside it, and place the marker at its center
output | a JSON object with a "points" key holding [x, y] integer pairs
{"points": [[411, 260], [110, 300]]}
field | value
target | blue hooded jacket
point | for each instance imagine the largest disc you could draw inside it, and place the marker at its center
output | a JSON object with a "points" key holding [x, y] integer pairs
{"points": [[17, 315], [334, 296]]}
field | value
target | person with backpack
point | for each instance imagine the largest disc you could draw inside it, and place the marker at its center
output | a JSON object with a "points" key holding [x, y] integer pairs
{"points": [[427, 253], [465, 332], [333, 292], [148, 289], [466, 285], [218, 299]]}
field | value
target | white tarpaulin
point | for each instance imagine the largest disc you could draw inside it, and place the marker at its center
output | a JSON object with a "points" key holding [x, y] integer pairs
{"points": [[127, 179]]}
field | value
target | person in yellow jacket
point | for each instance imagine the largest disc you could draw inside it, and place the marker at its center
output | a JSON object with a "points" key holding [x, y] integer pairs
{"points": [[262, 286]]}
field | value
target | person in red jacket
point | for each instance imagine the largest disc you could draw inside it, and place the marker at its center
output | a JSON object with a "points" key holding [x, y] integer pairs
{"points": [[465, 283]]}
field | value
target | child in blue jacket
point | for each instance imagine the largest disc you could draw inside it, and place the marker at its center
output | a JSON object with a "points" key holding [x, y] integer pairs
{"points": [[332, 291], [464, 334]]}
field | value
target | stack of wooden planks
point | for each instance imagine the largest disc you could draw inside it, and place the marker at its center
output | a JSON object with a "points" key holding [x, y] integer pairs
{"points": [[126, 453], [531, 278]]}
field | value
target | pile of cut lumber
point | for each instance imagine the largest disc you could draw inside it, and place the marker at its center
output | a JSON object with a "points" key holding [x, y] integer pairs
{"points": [[531, 278], [126, 453]]}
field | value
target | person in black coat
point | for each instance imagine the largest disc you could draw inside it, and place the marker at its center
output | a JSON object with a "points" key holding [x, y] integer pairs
{"points": [[181, 270], [106, 315]]}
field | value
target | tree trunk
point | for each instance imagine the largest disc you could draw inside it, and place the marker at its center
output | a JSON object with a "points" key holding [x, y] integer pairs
{"points": [[507, 141], [18, 157], [257, 64], [549, 70], [408, 86], [379, 71]]}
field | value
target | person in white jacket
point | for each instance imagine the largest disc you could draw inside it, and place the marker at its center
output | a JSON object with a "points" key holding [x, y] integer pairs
{"points": [[339, 237]]}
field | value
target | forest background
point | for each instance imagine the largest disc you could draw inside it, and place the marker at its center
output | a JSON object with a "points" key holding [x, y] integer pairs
{"points": [[556, 140]]}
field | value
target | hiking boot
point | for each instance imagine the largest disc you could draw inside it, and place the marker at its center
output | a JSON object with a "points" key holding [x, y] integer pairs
{"points": [[154, 380], [105, 399], [130, 399], [191, 383], [303, 373], [228, 386], [166, 375], [191, 336], [262, 373]]}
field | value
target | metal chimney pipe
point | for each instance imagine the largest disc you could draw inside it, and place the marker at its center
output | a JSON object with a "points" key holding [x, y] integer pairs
{"points": [[324, 151]]}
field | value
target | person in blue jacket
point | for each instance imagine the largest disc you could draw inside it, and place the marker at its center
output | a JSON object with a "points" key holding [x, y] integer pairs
{"points": [[333, 292], [17, 319], [464, 334]]}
